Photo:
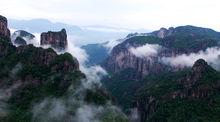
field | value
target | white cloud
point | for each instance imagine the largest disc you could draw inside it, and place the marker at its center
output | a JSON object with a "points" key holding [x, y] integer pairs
{"points": [[93, 73], [145, 50], [77, 52], [35, 41], [150, 14], [88, 113], [73, 110], [211, 55], [112, 43]]}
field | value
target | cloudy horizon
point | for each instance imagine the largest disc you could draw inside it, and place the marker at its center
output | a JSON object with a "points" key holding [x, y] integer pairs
{"points": [[138, 14]]}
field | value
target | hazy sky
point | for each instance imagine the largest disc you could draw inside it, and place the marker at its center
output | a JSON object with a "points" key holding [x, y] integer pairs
{"points": [[148, 14]]}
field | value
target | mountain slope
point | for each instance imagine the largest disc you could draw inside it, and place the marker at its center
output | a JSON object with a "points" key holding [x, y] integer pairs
{"points": [[29, 74], [190, 95]]}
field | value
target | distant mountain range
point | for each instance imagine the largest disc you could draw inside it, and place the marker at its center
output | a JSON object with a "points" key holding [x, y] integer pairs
{"points": [[81, 35]]}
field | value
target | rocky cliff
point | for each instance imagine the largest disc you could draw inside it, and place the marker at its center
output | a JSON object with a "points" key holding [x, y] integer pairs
{"points": [[173, 42], [163, 32], [191, 93], [4, 31], [57, 40], [37, 83]]}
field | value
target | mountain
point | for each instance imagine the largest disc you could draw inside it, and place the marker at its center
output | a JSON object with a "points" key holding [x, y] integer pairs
{"points": [[39, 25], [183, 40], [37, 84], [21, 37], [146, 55], [188, 95]]}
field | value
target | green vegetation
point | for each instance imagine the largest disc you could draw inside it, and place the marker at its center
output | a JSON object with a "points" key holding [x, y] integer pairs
{"points": [[32, 75], [186, 38], [97, 97], [112, 115], [205, 108], [123, 87]]}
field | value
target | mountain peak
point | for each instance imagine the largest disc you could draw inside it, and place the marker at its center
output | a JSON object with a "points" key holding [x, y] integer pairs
{"points": [[4, 31], [163, 32], [200, 66], [57, 40], [3, 18]]}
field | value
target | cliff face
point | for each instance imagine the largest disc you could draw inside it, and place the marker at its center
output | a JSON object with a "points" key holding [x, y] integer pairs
{"points": [[4, 31], [57, 40], [174, 42], [125, 59], [122, 58], [183, 92]]}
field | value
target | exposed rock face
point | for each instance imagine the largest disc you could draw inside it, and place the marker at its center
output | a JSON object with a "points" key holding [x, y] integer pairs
{"points": [[121, 57], [121, 60], [4, 31], [57, 40], [163, 32]]}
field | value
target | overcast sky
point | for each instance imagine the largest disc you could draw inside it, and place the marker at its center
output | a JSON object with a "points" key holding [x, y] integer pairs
{"points": [[134, 14]]}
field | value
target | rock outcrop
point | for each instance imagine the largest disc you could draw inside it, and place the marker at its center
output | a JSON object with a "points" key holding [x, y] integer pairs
{"points": [[57, 40], [4, 31], [47, 57], [163, 32]]}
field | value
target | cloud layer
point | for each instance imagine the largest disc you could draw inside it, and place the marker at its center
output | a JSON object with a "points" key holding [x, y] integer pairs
{"points": [[211, 55], [145, 50], [150, 14]]}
